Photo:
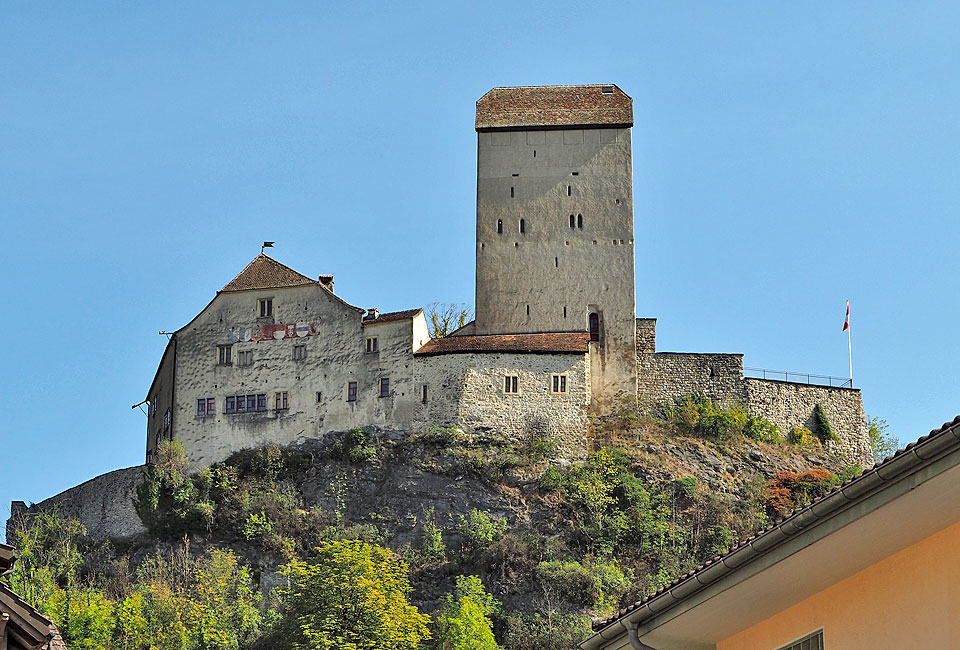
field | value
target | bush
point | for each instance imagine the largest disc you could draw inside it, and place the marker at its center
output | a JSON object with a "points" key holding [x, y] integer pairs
{"points": [[432, 548], [463, 622], [440, 436], [353, 446], [479, 530], [597, 585], [550, 632], [698, 416], [787, 490], [824, 431], [803, 437]]}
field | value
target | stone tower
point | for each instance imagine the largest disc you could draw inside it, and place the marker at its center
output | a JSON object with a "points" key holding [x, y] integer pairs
{"points": [[555, 223]]}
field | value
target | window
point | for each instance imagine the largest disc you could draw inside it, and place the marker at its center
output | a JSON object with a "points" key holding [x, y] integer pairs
{"points": [[245, 403], [265, 307], [810, 642], [558, 383], [281, 403], [319, 397], [166, 421], [580, 221], [373, 345], [573, 224], [511, 192], [607, 90], [499, 226], [384, 387], [594, 327], [523, 226], [206, 406], [299, 352], [569, 190], [423, 394], [511, 384], [226, 352], [352, 391], [153, 405], [245, 358]]}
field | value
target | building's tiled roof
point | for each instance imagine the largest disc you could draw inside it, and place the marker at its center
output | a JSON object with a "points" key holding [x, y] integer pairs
{"points": [[7, 556], [878, 468], [552, 343], [29, 622], [557, 106], [57, 643], [392, 316], [264, 272]]}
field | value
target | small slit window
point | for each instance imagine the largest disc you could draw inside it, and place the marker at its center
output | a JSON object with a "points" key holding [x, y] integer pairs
{"points": [[569, 190], [499, 226], [523, 226], [423, 394], [573, 223], [594, 327], [511, 384], [580, 221], [511, 193]]}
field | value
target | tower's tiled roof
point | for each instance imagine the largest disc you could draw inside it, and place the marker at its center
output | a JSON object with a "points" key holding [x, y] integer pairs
{"points": [[550, 343], [264, 272], [558, 106]]}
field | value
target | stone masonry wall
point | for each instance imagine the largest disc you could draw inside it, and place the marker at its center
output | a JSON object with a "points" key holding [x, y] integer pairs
{"points": [[664, 376], [104, 505], [792, 405], [467, 390]]}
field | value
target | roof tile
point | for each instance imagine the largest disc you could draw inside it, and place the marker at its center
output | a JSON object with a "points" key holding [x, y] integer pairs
{"points": [[549, 343], [557, 106], [264, 272], [391, 316]]}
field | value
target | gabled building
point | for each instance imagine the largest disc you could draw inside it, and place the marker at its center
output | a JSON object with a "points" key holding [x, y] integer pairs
{"points": [[872, 564]]}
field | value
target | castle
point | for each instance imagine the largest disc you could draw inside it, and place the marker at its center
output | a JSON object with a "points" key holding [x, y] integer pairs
{"points": [[278, 357]]}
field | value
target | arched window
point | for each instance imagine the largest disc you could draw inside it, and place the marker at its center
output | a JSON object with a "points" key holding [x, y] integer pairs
{"points": [[523, 226], [579, 221], [499, 226], [572, 223], [594, 327]]}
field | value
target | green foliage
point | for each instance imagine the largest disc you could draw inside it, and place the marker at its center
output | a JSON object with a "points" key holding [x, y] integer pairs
{"points": [[824, 431], [351, 596], [595, 584], [257, 525], [440, 436], [432, 548], [803, 437], [354, 446], [479, 530], [882, 444], [698, 416], [463, 622], [548, 631], [178, 602], [687, 486]]}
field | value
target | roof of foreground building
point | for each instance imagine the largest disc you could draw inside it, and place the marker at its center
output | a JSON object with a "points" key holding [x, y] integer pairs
{"points": [[554, 106]]}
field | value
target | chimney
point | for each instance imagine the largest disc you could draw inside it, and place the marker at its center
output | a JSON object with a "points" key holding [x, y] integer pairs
{"points": [[326, 281], [373, 312]]}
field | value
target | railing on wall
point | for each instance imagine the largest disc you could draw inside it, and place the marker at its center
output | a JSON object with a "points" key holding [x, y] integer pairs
{"points": [[798, 377]]}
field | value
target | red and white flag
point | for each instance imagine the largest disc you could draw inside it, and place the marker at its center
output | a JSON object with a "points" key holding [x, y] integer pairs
{"points": [[846, 321]]}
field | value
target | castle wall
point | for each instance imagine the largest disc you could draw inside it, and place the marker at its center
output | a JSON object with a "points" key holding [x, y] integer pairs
{"points": [[665, 376], [104, 505], [792, 405], [469, 392], [551, 276]]}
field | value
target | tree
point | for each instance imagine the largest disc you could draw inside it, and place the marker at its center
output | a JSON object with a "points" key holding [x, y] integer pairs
{"points": [[463, 622], [351, 596], [882, 444], [444, 318]]}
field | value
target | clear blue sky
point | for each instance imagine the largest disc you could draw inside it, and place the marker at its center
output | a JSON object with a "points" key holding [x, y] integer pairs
{"points": [[788, 157]]}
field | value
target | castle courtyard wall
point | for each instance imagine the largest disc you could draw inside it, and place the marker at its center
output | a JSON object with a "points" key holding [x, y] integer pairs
{"points": [[104, 505]]}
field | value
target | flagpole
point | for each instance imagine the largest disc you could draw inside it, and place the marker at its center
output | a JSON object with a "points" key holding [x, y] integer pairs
{"points": [[850, 348]]}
